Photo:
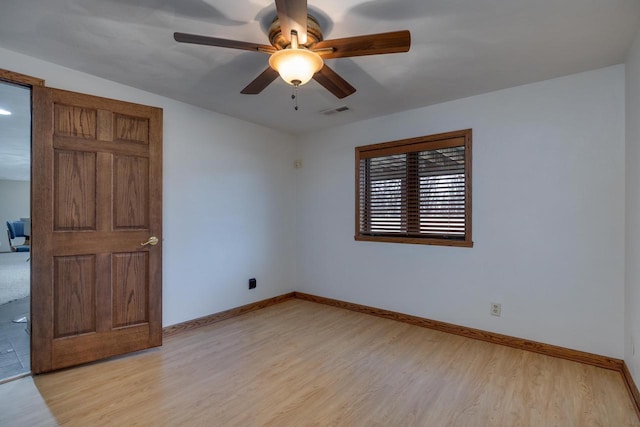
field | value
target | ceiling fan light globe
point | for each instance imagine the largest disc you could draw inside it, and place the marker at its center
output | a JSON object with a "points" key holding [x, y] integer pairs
{"points": [[296, 65]]}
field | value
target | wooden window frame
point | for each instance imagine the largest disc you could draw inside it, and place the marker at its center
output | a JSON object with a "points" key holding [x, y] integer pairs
{"points": [[415, 145]]}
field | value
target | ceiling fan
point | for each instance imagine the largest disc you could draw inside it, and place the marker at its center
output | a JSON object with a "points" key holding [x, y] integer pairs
{"points": [[298, 51]]}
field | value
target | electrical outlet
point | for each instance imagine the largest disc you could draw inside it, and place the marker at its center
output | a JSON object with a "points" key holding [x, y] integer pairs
{"points": [[253, 283], [496, 309]]}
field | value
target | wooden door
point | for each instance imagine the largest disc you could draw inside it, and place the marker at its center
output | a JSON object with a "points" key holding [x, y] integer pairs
{"points": [[97, 186]]}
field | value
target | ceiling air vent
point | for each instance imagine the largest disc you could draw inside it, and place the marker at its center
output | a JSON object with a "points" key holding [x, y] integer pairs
{"points": [[335, 110]]}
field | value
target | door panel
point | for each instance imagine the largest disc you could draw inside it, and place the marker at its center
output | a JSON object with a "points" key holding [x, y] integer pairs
{"points": [[97, 165], [130, 189], [74, 290], [74, 196], [130, 302], [132, 129], [75, 121]]}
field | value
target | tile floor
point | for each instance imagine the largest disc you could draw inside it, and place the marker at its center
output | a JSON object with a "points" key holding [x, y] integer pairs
{"points": [[14, 339]]}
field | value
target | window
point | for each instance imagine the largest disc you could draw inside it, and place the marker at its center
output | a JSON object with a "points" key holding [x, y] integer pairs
{"points": [[415, 190]]}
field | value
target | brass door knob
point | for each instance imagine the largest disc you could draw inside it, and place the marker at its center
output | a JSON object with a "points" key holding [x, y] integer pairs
{"points": [[153, 240]]}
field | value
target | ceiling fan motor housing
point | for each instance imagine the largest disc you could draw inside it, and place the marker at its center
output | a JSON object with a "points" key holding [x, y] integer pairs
{"points": [[279, 41]]}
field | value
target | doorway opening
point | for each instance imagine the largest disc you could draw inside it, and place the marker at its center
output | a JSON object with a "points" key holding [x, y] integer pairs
{"points": [[15, 229]]}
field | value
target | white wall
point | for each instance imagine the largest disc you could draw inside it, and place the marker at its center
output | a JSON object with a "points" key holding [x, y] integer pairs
{"points": [[229, 189], [632, 289], [14, 204], [548, 211], [548, 216]]}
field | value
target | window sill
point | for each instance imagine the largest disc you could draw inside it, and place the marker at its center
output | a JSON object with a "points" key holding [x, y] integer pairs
{"points": [[415, 241]]}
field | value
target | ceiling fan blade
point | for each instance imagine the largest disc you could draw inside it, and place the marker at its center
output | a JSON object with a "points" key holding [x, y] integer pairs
{"points": [[372, 44], [292, 15], [333, 82], [214, 41], [261, 82]]}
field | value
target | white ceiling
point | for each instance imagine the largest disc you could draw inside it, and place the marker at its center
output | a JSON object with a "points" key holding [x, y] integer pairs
{"points": [[459, 48]]}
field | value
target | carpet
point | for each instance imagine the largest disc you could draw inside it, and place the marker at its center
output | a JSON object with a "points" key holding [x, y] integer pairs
{"points": [[14, 276]]}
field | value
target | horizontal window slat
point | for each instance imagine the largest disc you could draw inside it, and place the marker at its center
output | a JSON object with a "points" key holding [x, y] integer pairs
{"points": [[441, 169], [382, 233], [439, 193], [423, 210]]}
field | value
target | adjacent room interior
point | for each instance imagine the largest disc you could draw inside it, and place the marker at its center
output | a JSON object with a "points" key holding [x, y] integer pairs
{"points": [[15, 193], [263, 186]]}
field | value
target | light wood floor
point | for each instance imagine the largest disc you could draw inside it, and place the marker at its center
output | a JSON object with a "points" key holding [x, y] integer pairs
{"points": [[299, 363]]}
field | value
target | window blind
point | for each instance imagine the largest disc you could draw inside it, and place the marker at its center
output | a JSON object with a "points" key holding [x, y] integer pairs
{"points": [[414, 191]]}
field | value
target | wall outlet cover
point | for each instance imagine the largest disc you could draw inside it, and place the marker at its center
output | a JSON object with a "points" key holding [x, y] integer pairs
{"points": [[496, 309]]}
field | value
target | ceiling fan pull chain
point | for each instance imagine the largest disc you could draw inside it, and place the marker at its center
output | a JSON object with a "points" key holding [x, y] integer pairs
{"points": [[294, 95]]}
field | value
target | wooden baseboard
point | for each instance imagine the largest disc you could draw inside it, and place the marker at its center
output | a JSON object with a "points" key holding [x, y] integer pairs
{"points": [[631, 387], [213, 318], [523, 344]]}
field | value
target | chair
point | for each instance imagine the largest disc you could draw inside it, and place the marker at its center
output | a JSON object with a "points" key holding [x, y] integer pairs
{"points": [[15, 229]]}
